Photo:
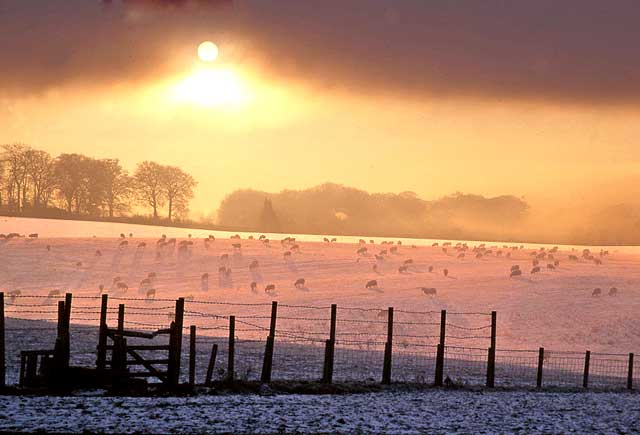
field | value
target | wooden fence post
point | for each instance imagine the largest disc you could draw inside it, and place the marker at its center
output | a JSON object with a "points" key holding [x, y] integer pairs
{"points": [[212, 364], [440, 351], [585, 376], [67, 325], [3, 366], [330, 346], [120, 318], [630, 372], [175, 345], [388, 349], [267, 363], [232, 349], [491, 360], [102, 334], [192, 355], [540, 364], [58, 349]]}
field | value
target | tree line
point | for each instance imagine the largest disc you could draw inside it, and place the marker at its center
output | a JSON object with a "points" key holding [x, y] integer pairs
{"points": [[34, 182]]}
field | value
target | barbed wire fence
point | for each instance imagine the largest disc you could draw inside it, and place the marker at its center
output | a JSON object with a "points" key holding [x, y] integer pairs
{"points": [[315, 343]]}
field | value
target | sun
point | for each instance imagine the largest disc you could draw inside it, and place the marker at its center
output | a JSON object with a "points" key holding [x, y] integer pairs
{"points": [[207, 51]]}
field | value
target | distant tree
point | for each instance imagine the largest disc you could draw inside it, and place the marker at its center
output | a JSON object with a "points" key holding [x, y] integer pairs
{"points": [[149, 188], [177, 186], [268, 219]]}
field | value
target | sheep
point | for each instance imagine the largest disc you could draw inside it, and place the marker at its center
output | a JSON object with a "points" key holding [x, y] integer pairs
{"points": [[430, 269], [596, 291], [145, 282], [204, 276], [123, 243], [515, 267], [116, 280], [122, 286], [429, 291], [551, 266], [326, 240], [515, 272], [48, 248], [151, 293], [379, 257], [445, 272], [299, 283], [142, 245], [371, 284], [535, 270], [100, 289], [253, 265], [597, 261], [613, 291], [212, 238], [270, 288], [122, 236], [236, 245], [287, 255], [79, 264], [33, 235], [408, 261], [573, 258], [362, 242], [254, 287], [334, 240], [362, 251], [402, 269]]}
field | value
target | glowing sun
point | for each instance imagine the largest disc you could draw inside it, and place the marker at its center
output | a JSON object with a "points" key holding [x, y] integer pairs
{"points": [[212, 87], [207, 51]]}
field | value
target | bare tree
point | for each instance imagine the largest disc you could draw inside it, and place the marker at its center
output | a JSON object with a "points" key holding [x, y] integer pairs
{"points": [[148, 178], [70, 179], [40, 170], [178, 189], [117, 186], [14, 156]]}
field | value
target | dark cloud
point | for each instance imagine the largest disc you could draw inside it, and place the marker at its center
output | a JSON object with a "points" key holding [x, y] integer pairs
{"points": [[578, 51]]}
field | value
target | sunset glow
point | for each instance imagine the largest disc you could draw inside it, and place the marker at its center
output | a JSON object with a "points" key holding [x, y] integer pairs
{"points": [[212, 87]]}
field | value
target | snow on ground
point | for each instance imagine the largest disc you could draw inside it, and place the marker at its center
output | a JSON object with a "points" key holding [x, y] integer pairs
{"points": [[430, 411]]}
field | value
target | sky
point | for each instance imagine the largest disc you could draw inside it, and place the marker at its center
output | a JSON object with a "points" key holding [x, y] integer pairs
{"points": [[535, 99]]}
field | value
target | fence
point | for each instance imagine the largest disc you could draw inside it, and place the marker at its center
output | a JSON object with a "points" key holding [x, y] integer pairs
{"points": [[304, 343]]}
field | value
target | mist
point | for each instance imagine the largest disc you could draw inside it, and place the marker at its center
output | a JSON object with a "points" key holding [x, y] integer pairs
{"points": [[336, 209]]}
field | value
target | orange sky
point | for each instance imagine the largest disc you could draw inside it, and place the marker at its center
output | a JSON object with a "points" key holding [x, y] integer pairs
{"points": [[284, 128]]}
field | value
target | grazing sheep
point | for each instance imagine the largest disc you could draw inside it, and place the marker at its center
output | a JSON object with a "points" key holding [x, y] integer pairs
{"points": [[596, 291], [556, 263], [334, 240], [515, 272], [204, 276], [371, 284], [145, 282], [122, 286], [142, 245], [445, 272], [236, 245], [573, 258], [478, 255], [151, 293], [435, 245], [613, 291], [253, 265], [270, 288], [116, 280], [123, 243], [408, 261], [429, 291], [535, 270], [402, 269], [254, 287], [122, 236], [597, 261], [287, 255], [362, 251], [430, 269], [372, 241], [379, 257], [299, 283], [393, 249], [444, 250]]}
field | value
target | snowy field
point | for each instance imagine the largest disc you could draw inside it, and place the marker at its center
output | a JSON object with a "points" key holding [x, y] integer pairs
{"points": [[553, 308], [430, 411]]}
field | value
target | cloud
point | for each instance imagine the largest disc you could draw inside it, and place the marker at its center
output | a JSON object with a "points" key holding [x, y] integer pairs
{"points": [[575, 51]]}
